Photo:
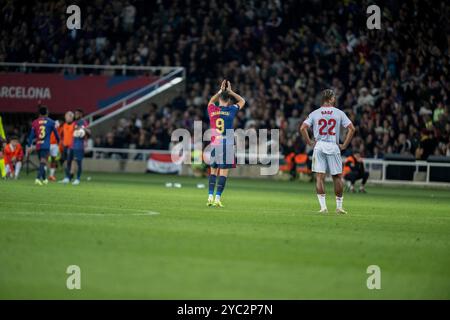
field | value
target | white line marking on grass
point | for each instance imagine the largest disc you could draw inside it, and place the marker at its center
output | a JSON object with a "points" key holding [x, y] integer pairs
{"points": [[136, 213]]}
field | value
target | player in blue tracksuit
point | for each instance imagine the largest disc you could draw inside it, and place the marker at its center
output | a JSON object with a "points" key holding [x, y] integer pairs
{"points": [[41, 130], [78, 143]]}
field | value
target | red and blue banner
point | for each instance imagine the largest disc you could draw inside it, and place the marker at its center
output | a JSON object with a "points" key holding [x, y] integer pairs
{"points": [[162, 162], [23, 92]]}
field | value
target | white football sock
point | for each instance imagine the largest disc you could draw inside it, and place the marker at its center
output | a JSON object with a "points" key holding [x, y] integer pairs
{"points": [[323, 203], [217, 197], [210, 197], [52, 172], [339, 201], [17, 169]]}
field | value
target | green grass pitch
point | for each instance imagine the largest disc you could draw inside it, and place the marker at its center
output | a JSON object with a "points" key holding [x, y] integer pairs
{"points": [[267, 243]]}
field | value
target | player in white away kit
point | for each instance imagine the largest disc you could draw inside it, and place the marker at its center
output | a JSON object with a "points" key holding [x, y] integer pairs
{"points": [[326, 122]]}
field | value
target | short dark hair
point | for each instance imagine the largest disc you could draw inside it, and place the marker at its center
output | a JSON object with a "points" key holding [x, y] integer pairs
{"points": [[327, 95], [43, 110], [79, 110], [13, 138], [225, 96]]}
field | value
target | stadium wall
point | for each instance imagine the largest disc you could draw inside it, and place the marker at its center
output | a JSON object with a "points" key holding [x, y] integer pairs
{"points": [[139, 107], [20, 92]]}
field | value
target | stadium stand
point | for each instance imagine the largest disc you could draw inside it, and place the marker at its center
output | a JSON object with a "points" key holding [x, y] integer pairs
{"points": [[393, 82]]}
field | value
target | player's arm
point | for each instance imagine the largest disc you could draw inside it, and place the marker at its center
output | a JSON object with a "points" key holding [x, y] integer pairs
{"points": [[304, 131], [349, 163], [30, 140], [239, 100], [56, 133], [215, 97], [348, 138], [86, 129]]}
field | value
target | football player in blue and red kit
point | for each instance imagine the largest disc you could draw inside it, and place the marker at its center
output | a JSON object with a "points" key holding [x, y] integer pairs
{"points": [[221, 118], [41, 129]]}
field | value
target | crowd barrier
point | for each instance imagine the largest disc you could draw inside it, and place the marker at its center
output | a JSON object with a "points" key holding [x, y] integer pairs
{"points": [[435, 172]]}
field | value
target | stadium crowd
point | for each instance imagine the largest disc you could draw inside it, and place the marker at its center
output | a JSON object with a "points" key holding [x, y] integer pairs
{"points": [[393, 83]]}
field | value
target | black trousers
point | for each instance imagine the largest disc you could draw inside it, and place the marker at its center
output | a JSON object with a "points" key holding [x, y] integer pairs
{"points": [[354, 176]]}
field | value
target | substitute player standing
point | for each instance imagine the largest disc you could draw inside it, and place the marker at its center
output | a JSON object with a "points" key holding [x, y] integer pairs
{"points": [[80, 131], [222, 156], [41, 130], [67, 143], [326, 123], [54, 153]]}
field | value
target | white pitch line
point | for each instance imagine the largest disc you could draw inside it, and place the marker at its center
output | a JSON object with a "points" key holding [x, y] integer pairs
{"points": [[137, 213]]}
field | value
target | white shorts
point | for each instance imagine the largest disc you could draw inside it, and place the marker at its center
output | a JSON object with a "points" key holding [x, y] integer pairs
{"points": [[326, 163], [54, 150]]}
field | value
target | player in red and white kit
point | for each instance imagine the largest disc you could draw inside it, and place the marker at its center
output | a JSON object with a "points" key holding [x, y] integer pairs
{"points": [[326, 123]]}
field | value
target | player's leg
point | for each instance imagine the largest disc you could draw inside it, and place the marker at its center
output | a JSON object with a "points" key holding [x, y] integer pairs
{"points": [[214, 170], [38, 180], [351, 177], [365, 177], [52, 164], [78, 156], [54, 150], [44, 165], [68, 155], [335, 167], [339, 192], [79, 163], [223, 173], [228, 161], [9, 169], [320, 191], [212, 185], [73, 168], [41, 175], [319, 167], [17, 169]]}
